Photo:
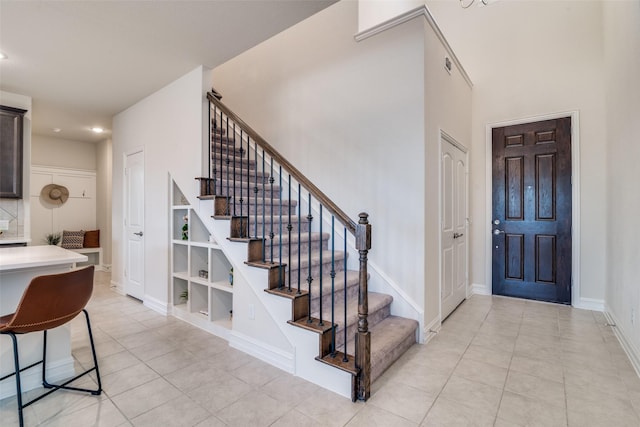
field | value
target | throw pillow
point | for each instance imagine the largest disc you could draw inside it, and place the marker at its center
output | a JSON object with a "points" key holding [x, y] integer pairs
{"points": [[72, 239], [91, 239]]}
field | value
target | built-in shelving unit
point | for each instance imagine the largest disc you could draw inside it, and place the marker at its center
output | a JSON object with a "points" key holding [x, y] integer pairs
{"points": [[201, 289]]}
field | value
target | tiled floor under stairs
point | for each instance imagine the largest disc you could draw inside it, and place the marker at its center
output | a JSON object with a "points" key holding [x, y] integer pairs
{"points": [[496, 362]]}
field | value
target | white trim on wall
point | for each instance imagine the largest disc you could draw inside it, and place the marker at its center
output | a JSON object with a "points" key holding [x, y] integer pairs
{"points": [[575, 198], [480, 289], [627, 344], [407, 16]]}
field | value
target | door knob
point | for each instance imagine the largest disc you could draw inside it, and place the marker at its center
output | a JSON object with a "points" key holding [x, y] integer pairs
{"points": [[139, 233], [496, 231], [456, 235]]}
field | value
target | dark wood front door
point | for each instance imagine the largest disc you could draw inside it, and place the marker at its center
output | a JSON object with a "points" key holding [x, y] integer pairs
{"points": [[531, 222]]}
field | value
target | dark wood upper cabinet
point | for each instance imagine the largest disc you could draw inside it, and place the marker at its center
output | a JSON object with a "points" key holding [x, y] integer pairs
{"points": [[11, 131]]}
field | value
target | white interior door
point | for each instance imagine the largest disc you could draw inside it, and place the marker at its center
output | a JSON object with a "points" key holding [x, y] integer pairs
{"points": [[134, 225], [454, 226]]}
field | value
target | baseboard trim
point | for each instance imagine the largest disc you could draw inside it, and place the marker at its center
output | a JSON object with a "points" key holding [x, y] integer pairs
{"points": [[590, 304], [480, 289], [117, 287], [269, 354], [431, 330], [627, 345], [32, 378], [156, 305]]}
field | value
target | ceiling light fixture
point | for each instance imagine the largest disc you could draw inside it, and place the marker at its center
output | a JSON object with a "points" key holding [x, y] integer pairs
{"points": [[467, 6], [97, 130], [3, 55], [57, 130]]}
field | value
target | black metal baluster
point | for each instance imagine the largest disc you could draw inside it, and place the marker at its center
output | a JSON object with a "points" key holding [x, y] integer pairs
{"points": [[228, 194], [280, 279], [345, 358], [289, 228], [321, 262], [299, 240], [232, 151], [309, 277], [219, 163], [263, 214], [333, 280], [241, 175], [209, 151], [255, 191], [271, 181], [212, 147]]}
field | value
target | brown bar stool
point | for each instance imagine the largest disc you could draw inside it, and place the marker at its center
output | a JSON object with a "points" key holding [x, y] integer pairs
{"points": [[48, 302]]}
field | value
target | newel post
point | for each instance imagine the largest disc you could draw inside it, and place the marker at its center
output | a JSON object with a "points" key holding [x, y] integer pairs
{"points": [[363, 337]]}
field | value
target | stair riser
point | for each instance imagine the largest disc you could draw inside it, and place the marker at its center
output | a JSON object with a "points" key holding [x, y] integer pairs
{"points": [[268, 228], [229, 160], [315, 272], [228, 149], [259, 210], [216, 138], [225, 183], [240, 176], [352, 294], [229, 191], [303, 249], [373, 318], [378, 369]]}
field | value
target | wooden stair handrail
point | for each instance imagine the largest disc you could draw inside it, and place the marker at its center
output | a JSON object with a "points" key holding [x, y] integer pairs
{"points": [[295, 173]]}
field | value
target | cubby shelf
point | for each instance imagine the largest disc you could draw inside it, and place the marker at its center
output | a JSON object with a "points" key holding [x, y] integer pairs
{"points": [[200, 268]]}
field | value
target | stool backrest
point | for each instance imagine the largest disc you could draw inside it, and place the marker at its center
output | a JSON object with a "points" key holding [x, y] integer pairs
{"points": [[52, 300]]}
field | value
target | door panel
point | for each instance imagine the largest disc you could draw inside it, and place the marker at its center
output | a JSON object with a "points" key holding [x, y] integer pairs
{"points": [[532, 210], [453, 227], [134, 225]]}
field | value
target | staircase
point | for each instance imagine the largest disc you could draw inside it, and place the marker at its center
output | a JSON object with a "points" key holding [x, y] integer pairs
{"points": [[301, 237]]}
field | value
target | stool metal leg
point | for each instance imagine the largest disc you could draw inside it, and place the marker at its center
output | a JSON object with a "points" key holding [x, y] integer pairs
{"points": [[45, 383], [16, 363], [64, 385], [44, 359]]}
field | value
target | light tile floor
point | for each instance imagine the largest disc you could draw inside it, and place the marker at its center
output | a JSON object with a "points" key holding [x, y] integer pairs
{"points": [[496, 362]]}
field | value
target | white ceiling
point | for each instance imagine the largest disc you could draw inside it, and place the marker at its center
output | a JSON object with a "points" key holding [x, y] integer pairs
{"points": [[82, 62]]}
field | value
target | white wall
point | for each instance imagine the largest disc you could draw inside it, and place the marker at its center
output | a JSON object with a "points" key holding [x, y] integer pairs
{"points": [[17, 211], [550, 62], [104, 176], [447, 99], [346, 112], [63, 153], [622, 68], [168, 125]]}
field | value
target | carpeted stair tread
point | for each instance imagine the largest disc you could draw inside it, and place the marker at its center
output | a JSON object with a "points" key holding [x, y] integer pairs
{"points": [[302, 238], [390, 339], [353, 278], [292, 264], [377, 302], [221, 147]]}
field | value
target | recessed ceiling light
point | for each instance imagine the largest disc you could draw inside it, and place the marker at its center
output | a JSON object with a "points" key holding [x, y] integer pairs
{"points": [[56, 130], [3, 55], [97, 130]]}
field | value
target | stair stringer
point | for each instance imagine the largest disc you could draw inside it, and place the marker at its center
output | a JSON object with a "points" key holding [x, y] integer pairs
{"points": [[300, 359]]}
